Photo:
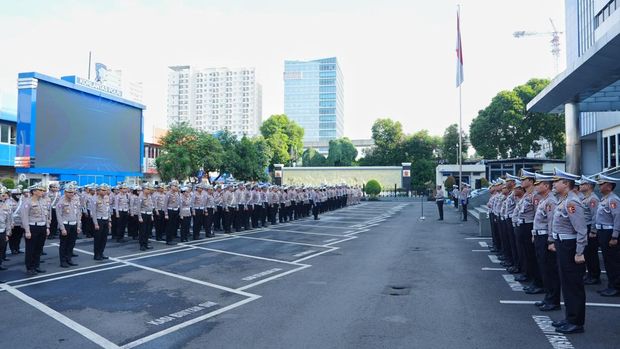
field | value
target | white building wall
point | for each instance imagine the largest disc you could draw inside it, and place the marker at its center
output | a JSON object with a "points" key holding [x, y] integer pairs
{"points": [[215, 99]]}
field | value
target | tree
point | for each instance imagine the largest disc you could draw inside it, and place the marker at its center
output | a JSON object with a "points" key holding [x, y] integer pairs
{"points": [[342, 152], [284, 137], [230, 156], [312, 158], [450, 141], [423, 174], [506, 129], [449, 183], [250, 164], [179, 157], [9, 183], [211, 153], [388, 135], [373, 188]]}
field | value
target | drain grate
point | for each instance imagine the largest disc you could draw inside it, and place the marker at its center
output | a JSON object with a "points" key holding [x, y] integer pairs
{"points": [[397, 290]]}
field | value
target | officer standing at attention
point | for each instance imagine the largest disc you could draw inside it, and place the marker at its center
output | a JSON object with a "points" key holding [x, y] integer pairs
{"points": [[590, 205], [546, 258], [101, 211], [17, 231], [570, 233], [185, 212], [5, 224], [146, 209], [526, 216], [464, 199], [455, 195], [121, 206], [172, 204], [36, 225], [210, 207], [608, 227], [199, 198], [52, 196], [439, 197], [68, 214]]}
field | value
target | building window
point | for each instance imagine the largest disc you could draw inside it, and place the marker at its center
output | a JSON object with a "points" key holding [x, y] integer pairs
{"points": [[613, 153], [5, 134]]}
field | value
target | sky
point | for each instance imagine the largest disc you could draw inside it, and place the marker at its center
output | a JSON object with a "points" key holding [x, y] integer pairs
{"points": [[397, 56]]}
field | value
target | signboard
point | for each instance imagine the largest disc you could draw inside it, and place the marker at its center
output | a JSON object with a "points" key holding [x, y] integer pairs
{"points": [[98, 86], [278, 174], [406, 173]]}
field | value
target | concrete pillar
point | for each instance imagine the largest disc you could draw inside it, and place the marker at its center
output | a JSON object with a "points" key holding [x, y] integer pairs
{"points": [[573, 143], [278, 173]]}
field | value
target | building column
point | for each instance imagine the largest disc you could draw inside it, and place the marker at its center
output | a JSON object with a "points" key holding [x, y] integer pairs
{"points": [[573, 143]]}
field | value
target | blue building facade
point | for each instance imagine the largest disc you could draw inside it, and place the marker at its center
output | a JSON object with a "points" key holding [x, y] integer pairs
{"points": [[314, 97], [8, 121]]}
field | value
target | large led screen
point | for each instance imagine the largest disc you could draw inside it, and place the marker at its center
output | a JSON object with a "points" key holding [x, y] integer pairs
{"points": [[79, 131]]}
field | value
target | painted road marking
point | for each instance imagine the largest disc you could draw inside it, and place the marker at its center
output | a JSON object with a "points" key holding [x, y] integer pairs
{"points": [[557, 340], [602, 305], [302, 267], [480, 251], [318, 226], [280, 241], [477, 238], [83, 331], [181, 314], [261, 274], [483, 244], [494, 259], [330, 240], [494, 269], [304, 253], [70, 276], [514, 285]]}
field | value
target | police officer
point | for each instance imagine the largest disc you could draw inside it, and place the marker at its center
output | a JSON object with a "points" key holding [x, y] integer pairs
{"points": [[68, 214], [53, 195], [160, 222], [17, 231], [121, 206], [199, 202], [229, 208], [545, 257], [101, 212], [36, 223], [464, 199], [210, 207], [185, 212], [590, 205], [439, 198], [608, 229], [526, 217], [5, 223], [172, 204], [146, 207], [571, 236]]}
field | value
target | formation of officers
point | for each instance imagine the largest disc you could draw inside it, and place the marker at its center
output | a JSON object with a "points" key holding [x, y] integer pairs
{"points": [[548, 230], [174, 211]]}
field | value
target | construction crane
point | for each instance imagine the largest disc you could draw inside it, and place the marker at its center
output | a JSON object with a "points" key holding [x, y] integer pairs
{"points": [[555, 41]]}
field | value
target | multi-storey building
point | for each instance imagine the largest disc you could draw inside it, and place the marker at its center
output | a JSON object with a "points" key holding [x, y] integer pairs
{"points": [[588, 91], [215, 99], [314, 97]]}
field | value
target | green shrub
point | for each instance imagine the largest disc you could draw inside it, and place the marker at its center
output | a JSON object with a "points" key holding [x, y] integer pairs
{"points": [[9, 183], [450, 181], [373, 188], [484, 183]]}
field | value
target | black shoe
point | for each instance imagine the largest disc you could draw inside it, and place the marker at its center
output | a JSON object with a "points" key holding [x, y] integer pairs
{"points": [[39, 270], [591, 281], [121, 240], [42, 262], [549, 307], [159, 239], [31, 272], [559, 323], [318, 219], [535, 290], [5, 259], [98, 258], [74, 255], [506, 264], [513, 270], [142, 248], [539, 303], [183, 240], [149, 247], [521, 278], [170, 243], [3, 268], [611, 292], [64, 265], [72, 264], [569, 328], [104, 257], [43, 254]]}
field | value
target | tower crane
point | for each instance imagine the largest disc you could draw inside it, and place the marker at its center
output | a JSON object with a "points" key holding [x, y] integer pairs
{"points": [[555, 41]]}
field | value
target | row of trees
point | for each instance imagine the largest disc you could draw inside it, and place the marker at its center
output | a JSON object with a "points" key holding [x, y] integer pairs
{"points": [[341, 152]]}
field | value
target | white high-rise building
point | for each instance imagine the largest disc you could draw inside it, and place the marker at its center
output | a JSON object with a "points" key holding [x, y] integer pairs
{"points": [[215, 99], [132, 90]]}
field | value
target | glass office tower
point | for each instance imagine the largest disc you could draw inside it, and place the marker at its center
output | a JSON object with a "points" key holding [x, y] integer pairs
{"points": [[313, 97]]}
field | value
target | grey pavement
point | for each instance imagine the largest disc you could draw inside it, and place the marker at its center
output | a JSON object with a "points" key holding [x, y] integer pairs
{"points": [[367, 276]]}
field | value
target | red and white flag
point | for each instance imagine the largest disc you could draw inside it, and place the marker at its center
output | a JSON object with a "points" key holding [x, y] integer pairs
{"points": [[459, 50]]}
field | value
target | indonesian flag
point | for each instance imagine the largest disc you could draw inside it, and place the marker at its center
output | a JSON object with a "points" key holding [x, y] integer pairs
{"points": [[459, 50]]}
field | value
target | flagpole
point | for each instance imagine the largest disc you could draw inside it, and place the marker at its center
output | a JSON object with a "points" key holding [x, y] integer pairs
{"points": [[460, 140]]}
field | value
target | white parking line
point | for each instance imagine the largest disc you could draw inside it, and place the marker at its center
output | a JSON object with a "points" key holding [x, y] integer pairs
{"points": [[557, 340], [493, 269], [69, 276], [483, 244], [315, 255], [42, 276], [319, 226], [302, 232], [477, 238], [246, 255], [83, 331], [514, 285], [302, 267], [494, 259], [280, 241]]}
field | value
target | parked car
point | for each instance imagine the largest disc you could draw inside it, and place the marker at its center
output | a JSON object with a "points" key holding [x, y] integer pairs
{"points": [[478, 192]]}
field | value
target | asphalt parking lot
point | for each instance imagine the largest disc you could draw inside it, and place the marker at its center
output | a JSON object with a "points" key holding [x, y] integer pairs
{"points": [[137, 297], [368, 276]]}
